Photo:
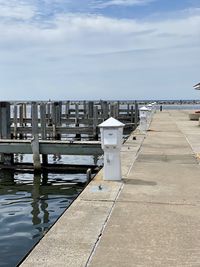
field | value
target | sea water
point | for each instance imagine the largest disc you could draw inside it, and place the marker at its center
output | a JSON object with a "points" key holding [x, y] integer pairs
{"points": [[30, 204]]}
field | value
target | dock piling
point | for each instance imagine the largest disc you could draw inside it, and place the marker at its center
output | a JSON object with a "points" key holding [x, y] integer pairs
{"points": [[43, 129], [67, 113], [136, 114], [5, 132], [89, 175], [95, 123], [15, 121], [90, 109], [78, 135], [105, 109], [35, 138]]}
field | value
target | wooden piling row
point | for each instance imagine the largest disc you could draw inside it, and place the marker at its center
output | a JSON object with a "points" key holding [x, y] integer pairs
{"points": [[56, 120]]}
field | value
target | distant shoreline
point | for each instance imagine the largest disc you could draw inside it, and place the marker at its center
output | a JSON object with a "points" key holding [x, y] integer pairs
{"points": [[140, 101]]}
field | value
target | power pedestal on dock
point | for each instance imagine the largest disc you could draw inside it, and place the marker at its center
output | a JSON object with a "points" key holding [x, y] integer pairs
{"points": [[144, 118], [111, 142]]}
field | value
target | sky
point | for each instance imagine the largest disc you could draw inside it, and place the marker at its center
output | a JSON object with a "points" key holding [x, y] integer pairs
{"points": [[99, 49]]}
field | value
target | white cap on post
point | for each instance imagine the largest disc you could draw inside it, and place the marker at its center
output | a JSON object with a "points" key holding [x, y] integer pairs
{"points": [[143, 111]]}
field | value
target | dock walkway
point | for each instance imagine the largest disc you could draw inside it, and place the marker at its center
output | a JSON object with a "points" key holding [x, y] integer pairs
{"points": [[151, 218]]}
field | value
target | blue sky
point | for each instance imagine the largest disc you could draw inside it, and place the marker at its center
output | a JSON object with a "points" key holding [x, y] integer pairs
{"points": [[99, 49]]}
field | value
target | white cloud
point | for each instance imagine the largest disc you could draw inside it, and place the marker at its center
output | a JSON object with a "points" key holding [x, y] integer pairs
{"points": [[91, 33], [90, 56], [14, 9], [104, 4]]}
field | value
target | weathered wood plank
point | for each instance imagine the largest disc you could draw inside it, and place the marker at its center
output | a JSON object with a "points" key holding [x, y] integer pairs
{"points": [[53, 168], [59, 129], [52, 147]]}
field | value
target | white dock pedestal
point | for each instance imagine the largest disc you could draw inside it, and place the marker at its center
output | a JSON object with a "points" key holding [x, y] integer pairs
{"points": [[111, 142]]}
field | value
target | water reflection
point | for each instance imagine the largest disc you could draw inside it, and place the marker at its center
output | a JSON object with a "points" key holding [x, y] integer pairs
{"points": [[29, 205], [63, 159]]}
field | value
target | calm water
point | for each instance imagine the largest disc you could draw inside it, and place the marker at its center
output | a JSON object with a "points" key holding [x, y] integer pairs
{"points": [[30, 204]]}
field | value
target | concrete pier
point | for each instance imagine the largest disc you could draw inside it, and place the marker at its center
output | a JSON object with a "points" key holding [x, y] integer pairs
{"points": [[150, 218]]}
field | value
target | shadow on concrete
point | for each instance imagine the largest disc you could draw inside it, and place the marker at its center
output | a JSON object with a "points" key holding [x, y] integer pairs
{"points": [[139, 182]]}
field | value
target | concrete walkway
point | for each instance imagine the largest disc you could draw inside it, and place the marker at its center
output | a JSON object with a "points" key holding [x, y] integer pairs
{"points": [[151, 218]]}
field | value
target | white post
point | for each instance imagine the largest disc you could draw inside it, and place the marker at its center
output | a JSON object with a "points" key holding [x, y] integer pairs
{"points": [[154, 107], [111, 141], [143, 119], [150, 113]]}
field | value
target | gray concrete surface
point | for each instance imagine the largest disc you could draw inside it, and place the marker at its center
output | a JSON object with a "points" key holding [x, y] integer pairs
{"points": [[151, 218], [156, 218]]}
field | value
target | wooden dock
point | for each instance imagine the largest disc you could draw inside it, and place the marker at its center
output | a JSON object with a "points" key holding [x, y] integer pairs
{"points": [[59, 127]]}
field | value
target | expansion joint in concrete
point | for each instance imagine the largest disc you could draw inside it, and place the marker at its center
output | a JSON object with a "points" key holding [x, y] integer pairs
{"points": [[103, 227], [158, 203], [98, 200]]}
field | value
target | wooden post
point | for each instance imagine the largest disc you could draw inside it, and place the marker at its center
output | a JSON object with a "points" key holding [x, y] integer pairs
{"points": [[105, 109], [4, 120], [67, 106], [136, 114], [15, 121], [35, 138], [89, 175], [58, 118], [112, 111], [53, 116], [95, 123], [59, 111], [21, 119], [90, 109], [76, 112], [78, 135], [84, 109], [117, 109], [24, 113], [43, 120], [132, 114], [43, 129], [24, 118], [34, 116], [21, 115], [128, 110], [49, 110], [5, 131]]}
